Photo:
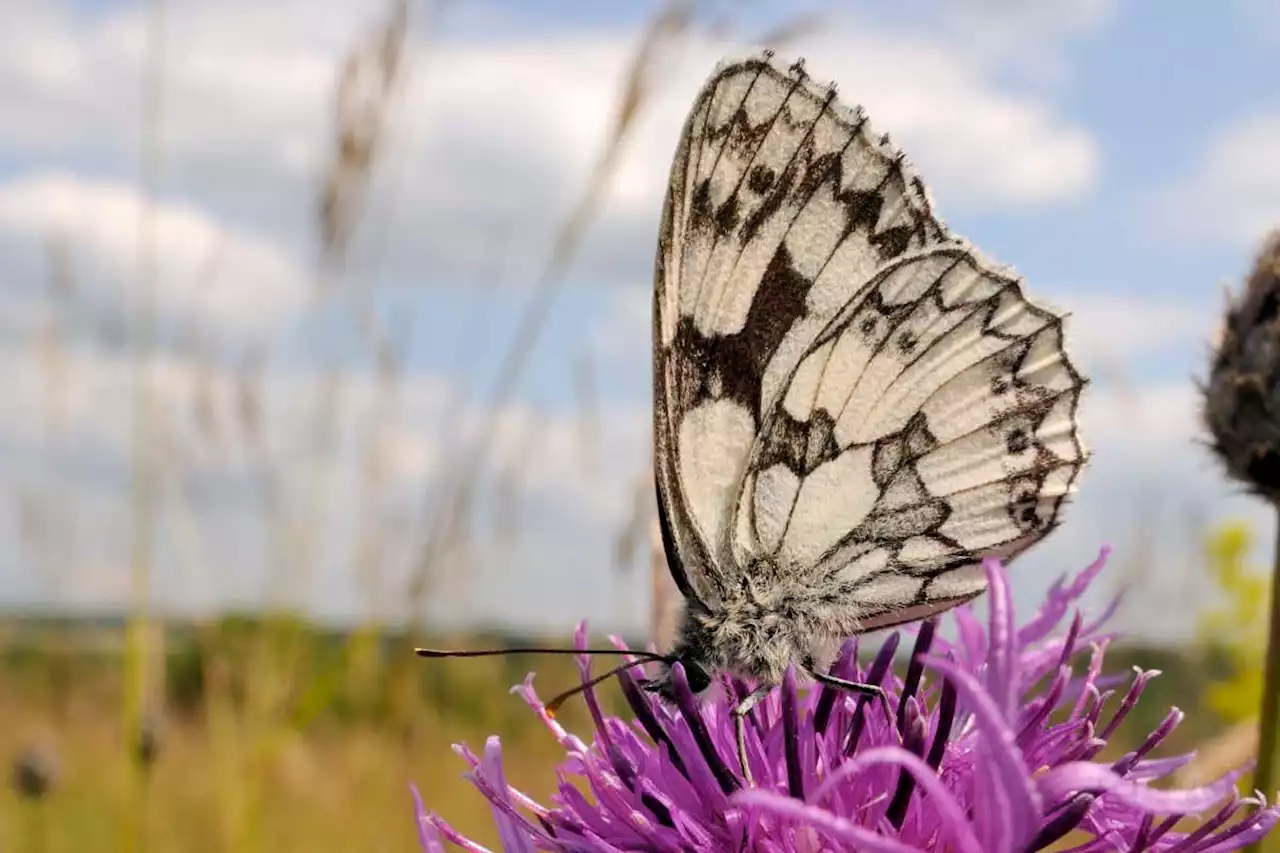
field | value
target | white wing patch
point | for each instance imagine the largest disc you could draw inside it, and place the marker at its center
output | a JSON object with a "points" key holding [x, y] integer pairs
{"points": [[713, 437], [832, 500], [776, 490]]}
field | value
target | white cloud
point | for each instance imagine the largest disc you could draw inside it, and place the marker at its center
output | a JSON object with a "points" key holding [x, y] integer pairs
{"points": [[207, 274], [1146, 426], [1234, 194], [207, 416], [494, 138], [1115, 331], [978, 146], [1028, 37], [624, 333], [1109, 318], [239, 81], [989, 148], [68, 443], [1056, 19]]}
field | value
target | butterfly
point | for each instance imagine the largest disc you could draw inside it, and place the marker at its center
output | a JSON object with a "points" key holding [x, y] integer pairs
{"points": [[852, 406]]}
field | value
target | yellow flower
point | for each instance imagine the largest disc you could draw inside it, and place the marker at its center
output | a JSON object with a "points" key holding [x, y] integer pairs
{"points": [[1236, 628]]}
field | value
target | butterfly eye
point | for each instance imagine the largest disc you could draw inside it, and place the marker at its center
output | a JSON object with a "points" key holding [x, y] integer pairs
{"points": [[699, 678]]}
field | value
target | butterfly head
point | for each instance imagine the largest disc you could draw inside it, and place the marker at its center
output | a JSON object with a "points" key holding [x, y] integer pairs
{"points": [[693, 650]]}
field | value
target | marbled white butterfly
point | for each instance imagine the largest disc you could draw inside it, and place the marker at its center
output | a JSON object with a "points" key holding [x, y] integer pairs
{"points": [[852, 407]]}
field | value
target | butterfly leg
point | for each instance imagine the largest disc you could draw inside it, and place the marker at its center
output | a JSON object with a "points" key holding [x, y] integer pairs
{"points": [[854, 687], [740, 727]]}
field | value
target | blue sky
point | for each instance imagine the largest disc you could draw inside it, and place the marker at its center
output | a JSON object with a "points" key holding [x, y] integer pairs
{"points": [[1119, 155]]}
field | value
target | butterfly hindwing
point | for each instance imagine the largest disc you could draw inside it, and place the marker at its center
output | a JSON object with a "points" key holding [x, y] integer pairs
{"points": [[782, 204], [931, 424]]}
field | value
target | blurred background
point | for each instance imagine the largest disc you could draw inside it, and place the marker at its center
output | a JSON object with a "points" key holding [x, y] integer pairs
{"points": [[324, 331]]}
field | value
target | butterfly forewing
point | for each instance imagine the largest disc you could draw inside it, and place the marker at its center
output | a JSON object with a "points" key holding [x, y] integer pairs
{"points": [[782, 205]]}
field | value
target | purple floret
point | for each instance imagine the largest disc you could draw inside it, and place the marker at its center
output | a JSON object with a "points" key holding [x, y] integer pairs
{"points": [[991, 747]]}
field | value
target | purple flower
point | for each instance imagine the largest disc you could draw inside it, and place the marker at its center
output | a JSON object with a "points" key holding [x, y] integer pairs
{"points": [[993, 747]]}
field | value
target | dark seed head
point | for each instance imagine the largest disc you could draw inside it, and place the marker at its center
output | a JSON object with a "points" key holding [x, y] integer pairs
{"points": [[146, 748], [35, 771], [1242, 394]]}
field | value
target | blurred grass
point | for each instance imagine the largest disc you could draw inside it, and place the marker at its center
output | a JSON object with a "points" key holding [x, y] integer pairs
{"points": [[329, 771]]}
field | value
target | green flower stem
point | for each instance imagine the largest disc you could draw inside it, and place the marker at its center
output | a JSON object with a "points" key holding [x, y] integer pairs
{"points": [[1264, 778]]}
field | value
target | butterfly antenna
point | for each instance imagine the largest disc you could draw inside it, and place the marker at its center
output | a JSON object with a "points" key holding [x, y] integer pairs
{"points": [[554, 705], [640, 657], [643, 656]]}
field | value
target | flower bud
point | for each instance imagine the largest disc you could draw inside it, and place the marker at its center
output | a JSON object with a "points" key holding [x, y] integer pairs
{"points": [[1242, 395]]}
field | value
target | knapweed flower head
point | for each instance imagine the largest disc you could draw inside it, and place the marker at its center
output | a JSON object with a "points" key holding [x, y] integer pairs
{"points": [[992, 746]]}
